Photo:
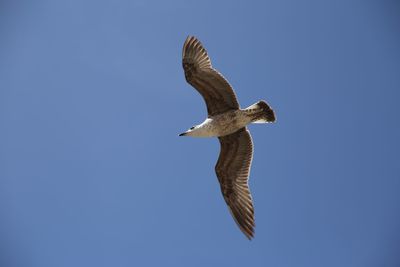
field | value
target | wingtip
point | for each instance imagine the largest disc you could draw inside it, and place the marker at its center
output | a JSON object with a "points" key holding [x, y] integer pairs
{"points": [[250, 236], [191, 37], [249, 233], [186, 46], [194, 53]]}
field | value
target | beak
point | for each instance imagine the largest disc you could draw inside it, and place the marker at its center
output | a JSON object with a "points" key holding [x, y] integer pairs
{"points": [[182, 134]]}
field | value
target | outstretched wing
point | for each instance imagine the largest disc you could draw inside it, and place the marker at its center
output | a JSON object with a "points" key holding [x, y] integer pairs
{"points": [[213, 87], [233, 169]]}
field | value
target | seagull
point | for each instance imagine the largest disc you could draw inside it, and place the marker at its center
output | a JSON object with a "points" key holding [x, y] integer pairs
{"points": [[227, 121]]}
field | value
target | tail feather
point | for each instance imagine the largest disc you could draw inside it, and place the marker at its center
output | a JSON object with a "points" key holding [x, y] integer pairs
{"points": [[264, 112]]}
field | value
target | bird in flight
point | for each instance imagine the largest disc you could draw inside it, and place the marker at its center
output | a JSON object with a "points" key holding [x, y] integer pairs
{"points": [[227, 121]]}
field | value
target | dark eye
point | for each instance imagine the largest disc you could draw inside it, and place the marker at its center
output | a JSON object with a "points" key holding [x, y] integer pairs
{"points": [[191, 128]]}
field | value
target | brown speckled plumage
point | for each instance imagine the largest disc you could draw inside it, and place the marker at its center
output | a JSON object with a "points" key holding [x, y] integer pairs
{"points": [[213, 87], [228, 122]]}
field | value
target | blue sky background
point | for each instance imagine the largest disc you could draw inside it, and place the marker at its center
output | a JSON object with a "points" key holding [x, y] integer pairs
{"points": [[93, 97]]}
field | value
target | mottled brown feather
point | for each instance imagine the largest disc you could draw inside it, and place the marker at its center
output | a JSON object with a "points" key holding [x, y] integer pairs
{"points": [[233, 170], [213, 87]]}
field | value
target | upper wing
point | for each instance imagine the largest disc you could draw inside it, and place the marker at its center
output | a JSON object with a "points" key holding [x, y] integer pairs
{"points": [[233, 169], [213, 87]]}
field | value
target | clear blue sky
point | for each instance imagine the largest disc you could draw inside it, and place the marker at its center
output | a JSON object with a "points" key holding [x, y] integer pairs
{"points": [[93, 97]]}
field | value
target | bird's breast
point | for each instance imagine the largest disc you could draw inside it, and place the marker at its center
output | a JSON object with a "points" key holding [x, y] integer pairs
{"points": [[227, 123]]}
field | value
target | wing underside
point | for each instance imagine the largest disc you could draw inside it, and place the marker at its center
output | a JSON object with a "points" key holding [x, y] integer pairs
{"points": [[213, 87], [233, 169]]}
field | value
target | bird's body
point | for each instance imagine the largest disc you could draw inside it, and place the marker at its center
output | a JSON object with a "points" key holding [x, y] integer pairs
{"points": [[227, 122]]}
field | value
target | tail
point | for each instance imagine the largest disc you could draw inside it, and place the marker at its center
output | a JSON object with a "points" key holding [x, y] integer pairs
{"points": [[261, 112]]}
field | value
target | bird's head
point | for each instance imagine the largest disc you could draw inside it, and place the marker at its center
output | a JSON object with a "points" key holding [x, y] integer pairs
{"points": [[190, 132]]}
